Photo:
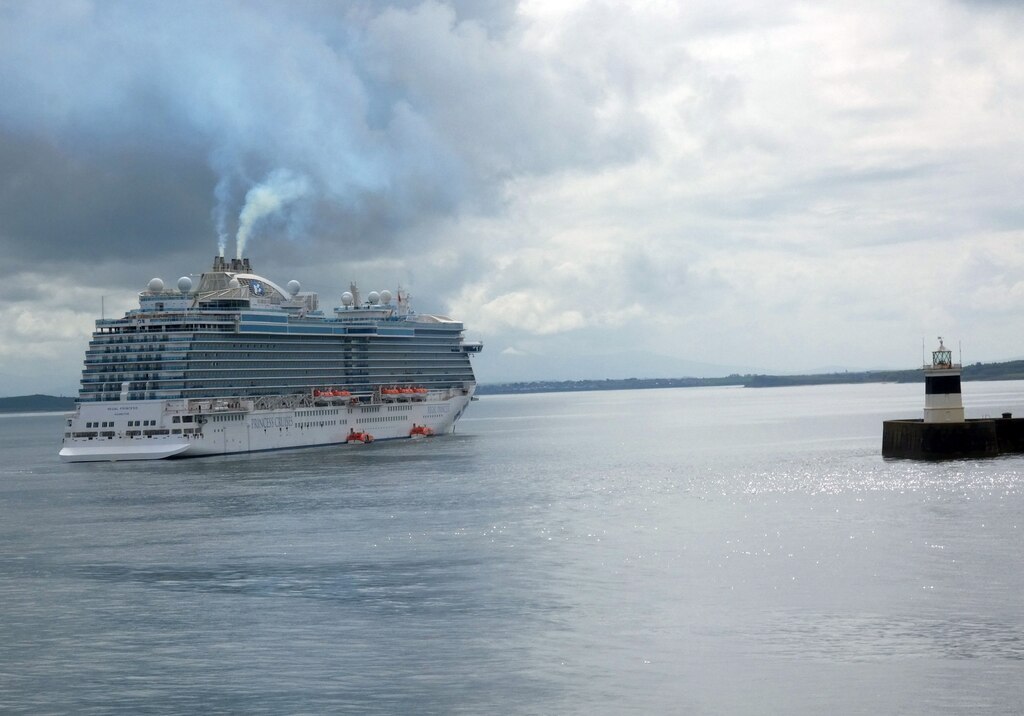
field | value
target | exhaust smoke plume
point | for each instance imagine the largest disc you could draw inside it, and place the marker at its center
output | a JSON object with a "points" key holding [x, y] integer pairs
{"points": [[222, 192], [266, 200]]}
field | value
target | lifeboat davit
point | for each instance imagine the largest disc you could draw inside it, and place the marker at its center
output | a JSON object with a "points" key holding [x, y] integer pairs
{"points": [[361, 438]]}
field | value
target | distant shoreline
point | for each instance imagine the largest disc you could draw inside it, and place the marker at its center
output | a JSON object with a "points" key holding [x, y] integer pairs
{"points": [[1011, 370], [36, 404]]}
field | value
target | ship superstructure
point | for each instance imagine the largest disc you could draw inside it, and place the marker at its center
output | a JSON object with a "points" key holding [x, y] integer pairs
{"points": [[238, 363]]}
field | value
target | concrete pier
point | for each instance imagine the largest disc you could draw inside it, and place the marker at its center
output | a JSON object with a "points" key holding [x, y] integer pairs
{"points": [[985, 437]]}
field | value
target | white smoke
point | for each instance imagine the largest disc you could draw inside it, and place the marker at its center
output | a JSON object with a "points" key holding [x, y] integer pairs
{"points": [[220, 212], [280, 188]]}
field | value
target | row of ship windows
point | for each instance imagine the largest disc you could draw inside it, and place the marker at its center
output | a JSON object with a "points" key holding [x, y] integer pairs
{"points": [[275, 385], [227, 418], [281, 356], [110, 423], [275, 357], [346, 343], [191, 367], [279, 359], [266, 380], [406, 343], [203, 351], [293, 341], [380, 374], [238, 388], [384, 371], [179, 394], [91, 434], [164, 393], [264, 341], [162, 328], [322, 423], [167, 329], [348, 379]]}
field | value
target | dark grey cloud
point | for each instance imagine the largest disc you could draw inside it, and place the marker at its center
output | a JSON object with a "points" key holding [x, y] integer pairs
{"points": [[141, 127], [75, 204]]}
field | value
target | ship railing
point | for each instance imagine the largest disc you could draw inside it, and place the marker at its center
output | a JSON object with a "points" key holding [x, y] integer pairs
{"points": [[219, 405], [277, 402]]}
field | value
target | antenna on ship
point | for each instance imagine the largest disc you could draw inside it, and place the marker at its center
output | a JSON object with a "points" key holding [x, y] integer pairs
{"points": [[184, 287]]}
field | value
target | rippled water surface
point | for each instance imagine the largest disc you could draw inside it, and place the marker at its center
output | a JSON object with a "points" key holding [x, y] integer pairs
{"points": [[719, 551]]}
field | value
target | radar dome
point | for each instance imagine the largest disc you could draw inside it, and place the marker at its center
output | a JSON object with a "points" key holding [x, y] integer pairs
{"points": [[184, 284], [346, 298], [294, 287], [385, 296], [373, 298], [156, 285], [234, 283]]}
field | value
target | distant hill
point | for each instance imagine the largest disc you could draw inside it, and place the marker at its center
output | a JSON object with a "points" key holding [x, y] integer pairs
{"points": [[1012, 370], [36, 403], [568, 386]]}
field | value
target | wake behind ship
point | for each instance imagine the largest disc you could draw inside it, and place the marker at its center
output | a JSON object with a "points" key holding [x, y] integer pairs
{"points": [[240, 364]]}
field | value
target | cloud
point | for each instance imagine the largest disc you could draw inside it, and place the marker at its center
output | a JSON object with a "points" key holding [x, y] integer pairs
{"points": [[698, 180], [392, 114], [265, 201]]}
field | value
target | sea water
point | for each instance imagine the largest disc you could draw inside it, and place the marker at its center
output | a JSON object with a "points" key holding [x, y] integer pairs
{"points": [[699, 550]]}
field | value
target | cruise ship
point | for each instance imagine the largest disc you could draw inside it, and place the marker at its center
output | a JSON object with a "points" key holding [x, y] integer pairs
{"points": [[240, 364]]}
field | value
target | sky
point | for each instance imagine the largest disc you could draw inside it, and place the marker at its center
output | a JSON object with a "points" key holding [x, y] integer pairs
{"points": [[597, 189]]}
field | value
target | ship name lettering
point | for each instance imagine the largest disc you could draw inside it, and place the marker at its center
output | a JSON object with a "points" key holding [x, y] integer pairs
{"points": [[265, 423]]}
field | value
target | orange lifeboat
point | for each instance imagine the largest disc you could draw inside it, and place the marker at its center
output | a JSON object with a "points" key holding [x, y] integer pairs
{"points": [[360, 438], [420, 431]]}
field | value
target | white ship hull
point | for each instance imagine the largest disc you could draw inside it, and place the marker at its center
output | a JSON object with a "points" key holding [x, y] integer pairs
{"points": [[159, 429]]}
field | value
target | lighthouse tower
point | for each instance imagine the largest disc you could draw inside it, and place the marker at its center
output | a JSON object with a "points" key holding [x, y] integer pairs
{"points": [[942, 402]]}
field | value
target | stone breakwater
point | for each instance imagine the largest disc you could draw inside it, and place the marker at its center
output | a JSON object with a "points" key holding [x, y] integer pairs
{"points": [[986, 437]]}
